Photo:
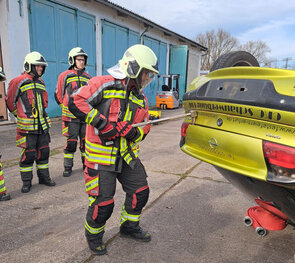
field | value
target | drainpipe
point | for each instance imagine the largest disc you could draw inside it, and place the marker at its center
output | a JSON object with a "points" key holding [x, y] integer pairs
{"points": [[147, 27], [20, 3]]}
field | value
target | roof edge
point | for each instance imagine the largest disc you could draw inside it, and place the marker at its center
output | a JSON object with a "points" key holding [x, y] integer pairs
{"points": [[150, 23]]}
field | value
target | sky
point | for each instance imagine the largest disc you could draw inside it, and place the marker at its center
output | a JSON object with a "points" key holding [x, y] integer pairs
{"points": [[271, 21]]}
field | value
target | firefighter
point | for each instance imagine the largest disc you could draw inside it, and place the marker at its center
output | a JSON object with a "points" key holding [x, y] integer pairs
{"points": [[3, 195], [27, 99], [71, 80], [109, 105]]}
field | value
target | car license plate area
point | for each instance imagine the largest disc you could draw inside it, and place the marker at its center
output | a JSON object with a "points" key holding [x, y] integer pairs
{"points": [[235, 152]]}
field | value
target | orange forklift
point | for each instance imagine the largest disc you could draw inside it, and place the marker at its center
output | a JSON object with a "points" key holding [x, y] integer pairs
{"points": [[167, 91]]}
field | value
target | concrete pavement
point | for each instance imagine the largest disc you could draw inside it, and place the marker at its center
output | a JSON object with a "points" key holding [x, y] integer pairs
{"points": [[194, 214]]}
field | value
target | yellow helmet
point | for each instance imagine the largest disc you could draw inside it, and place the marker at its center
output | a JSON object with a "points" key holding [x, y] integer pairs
{"points": [[74, 52], [2, 75], [136, 58], [34, 58]]}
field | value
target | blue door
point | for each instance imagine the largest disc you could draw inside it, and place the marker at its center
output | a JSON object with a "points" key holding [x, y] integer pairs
{"points": [[178, 65], [115, 40], [54, 30], [160, 49]]}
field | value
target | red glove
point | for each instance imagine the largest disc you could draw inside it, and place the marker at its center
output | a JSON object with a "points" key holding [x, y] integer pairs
{"points": [[109, 132], [125, 129]]}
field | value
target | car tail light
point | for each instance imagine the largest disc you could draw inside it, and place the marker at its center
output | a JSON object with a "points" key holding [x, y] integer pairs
{"points": [[184, 127], [281, 158]]}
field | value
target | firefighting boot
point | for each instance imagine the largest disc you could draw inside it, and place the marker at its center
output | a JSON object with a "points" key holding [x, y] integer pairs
{"points": [[67, 172], [26, 186], [137, 234], [97, 246], [47, 181], [5, 197]]}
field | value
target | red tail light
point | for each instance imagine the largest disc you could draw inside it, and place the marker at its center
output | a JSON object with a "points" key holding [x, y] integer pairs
{"points": [[280, 155], [184, 127]]}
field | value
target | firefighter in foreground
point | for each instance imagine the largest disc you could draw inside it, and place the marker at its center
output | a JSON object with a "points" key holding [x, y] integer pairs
{"points": [[68, 82], [3, 195], [109, 105], [27, 99]]}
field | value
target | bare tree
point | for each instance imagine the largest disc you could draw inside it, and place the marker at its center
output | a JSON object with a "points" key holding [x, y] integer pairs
{"points": [[218, 43], [222, 42], [258, 49]]}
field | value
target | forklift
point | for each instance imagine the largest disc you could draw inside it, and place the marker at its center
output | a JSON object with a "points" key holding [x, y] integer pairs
{"points": [[168, 91]]}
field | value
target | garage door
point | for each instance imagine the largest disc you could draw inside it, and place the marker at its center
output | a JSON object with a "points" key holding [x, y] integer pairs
{"points": [[54, 30], [160, 50], [178, 65], [115, 40]]}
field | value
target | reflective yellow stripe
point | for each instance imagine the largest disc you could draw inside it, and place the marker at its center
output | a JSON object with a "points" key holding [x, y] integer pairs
{"points": [[2, 186], [100, 148], [125, 216], [93, 230], [136, 100], [21, 141], [26, 169], [91, 114], [91, 200], [69, 155], [31, 86], [75, 78], [140, 130], [42, 166], [91, 184], [119, 94], [100, 158], [65, 130], [67, 113]]}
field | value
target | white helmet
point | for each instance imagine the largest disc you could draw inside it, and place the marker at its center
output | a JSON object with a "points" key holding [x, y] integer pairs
{"points": [[2, 75], [77, 51], [32, 59]]}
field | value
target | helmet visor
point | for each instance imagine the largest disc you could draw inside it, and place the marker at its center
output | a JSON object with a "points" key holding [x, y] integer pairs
{"points": [[147, 78]]}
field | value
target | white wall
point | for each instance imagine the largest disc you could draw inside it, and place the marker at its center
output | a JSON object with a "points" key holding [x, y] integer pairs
{"points": [[14, 36]]}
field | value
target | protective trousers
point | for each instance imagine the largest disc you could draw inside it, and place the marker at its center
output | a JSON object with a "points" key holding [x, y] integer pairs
{"points": [[134, 184], [73, 130], [37, 149], [2, 181]]}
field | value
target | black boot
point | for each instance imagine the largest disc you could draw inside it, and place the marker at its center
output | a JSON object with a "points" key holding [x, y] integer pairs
{"points": [[97, 246], [47, 181], [67, 172], [5, 197], [26, 186], [137, 234]]}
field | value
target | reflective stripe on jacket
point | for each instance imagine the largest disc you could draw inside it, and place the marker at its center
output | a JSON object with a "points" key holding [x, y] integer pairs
{"points": [[27, 99], [106, 99], [68, 82]]}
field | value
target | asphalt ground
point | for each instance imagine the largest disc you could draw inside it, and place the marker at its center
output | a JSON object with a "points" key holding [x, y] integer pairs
{"points": [[193, 214]]}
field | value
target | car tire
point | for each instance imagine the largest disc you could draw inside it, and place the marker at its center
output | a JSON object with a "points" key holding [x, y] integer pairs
{"points": [[235, 59]]}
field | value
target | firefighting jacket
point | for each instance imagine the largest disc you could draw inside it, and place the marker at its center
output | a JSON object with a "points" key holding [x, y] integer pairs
{"points": [[27, 99], [104, 100], [68, 82]]}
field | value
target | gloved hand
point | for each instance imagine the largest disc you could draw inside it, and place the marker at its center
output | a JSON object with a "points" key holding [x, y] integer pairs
{"points": [[125, 129], [109, 132]]}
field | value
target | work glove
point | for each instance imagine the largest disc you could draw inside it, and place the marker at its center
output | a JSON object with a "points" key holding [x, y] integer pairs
{"points": [[109, 132], [125, 129]]}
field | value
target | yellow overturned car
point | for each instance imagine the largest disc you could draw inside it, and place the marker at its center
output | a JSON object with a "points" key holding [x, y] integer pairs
{"points": [[244, 125]]}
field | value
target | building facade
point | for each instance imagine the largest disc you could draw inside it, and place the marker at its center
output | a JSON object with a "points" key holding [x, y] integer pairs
{"points": [[103, 29]]}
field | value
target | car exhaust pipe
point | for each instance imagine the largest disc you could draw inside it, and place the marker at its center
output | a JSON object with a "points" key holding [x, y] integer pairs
{"points": [[248, 221], [260, 231]]}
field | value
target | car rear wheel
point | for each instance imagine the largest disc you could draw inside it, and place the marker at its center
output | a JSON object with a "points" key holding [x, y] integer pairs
{"points": [[235, 59]]}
